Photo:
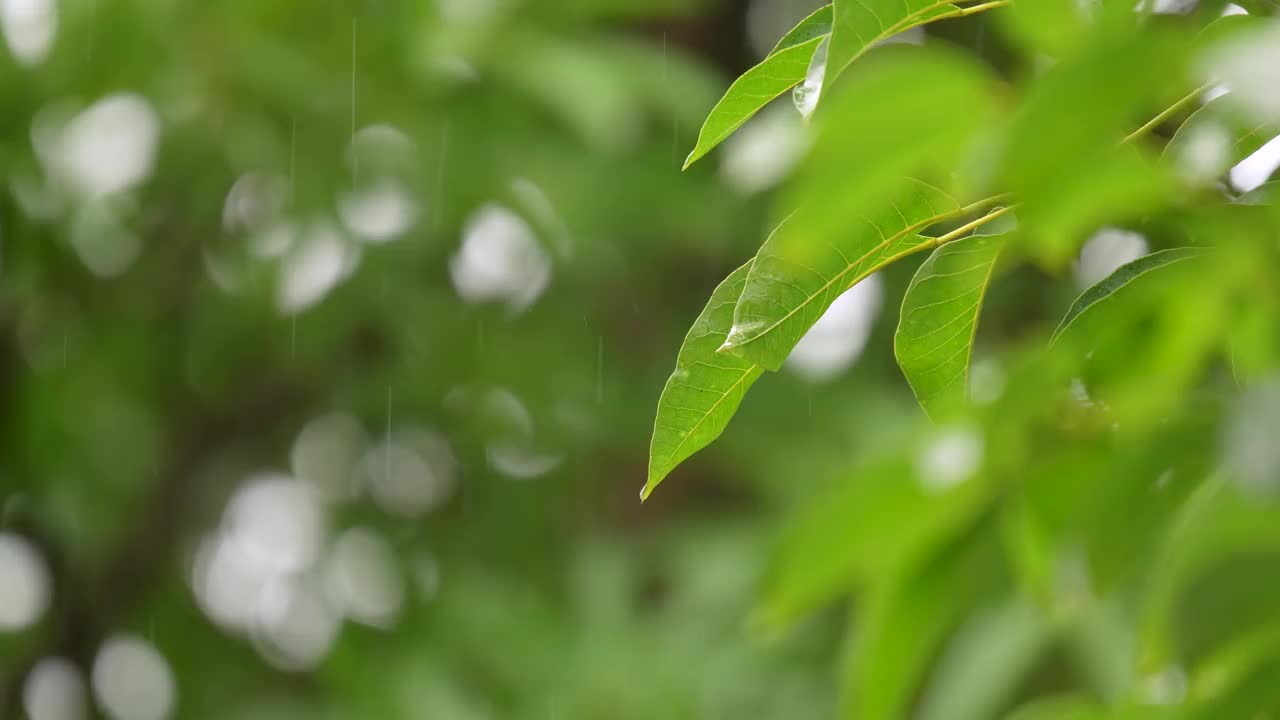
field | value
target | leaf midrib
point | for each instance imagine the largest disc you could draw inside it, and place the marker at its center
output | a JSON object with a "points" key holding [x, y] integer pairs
{"points": [[705, 415], [902, 25], [885, 243]]}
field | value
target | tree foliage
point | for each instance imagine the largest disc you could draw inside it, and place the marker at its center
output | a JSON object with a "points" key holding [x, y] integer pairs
{"points": [[1083, 512]]}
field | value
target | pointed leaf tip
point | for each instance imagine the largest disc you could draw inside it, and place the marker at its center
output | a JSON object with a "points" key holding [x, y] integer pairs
{"points": [[705, 390]]}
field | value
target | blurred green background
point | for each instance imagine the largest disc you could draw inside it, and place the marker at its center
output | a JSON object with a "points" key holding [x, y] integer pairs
{"points": [[331, 334]]}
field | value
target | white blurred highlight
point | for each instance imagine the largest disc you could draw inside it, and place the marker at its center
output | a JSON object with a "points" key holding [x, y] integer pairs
{"points": [[132, 680], [1105, 252], [24, 583], [363, 580], [834, 343], [1256, 169], [500, 260], [951, 457], [29, 28], [55, 690]]}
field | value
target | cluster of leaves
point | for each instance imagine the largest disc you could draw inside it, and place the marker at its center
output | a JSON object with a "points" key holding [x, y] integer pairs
{"points": [[1082, 532]]}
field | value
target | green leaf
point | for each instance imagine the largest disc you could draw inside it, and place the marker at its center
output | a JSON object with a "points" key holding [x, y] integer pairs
{"points": [[1064, 159], [859, 24], [817, 25], [1216, 138], [704, 391], [888, 515], [895, 118], [859, 209], [939, 318], [757, 87], [795, 280], [1122, 277], [903, 622]]}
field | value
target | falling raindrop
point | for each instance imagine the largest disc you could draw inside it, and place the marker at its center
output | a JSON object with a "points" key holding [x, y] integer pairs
{"points": [[355, 158], [440, 166], [600, 369]]}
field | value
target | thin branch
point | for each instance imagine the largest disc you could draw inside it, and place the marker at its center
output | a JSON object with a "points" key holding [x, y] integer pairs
{"points": [[964, 229], [1168, 113]]}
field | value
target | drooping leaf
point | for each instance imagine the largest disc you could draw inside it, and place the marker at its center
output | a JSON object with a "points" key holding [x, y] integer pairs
{"points": [[706, 388], [904, 621], [858, 208], [939, 318], [859, 24], [1123, 276], [757, 87]]}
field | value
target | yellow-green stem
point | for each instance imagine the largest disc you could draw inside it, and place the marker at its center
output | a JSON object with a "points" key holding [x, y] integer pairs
{"points": [[1168, 113]]}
